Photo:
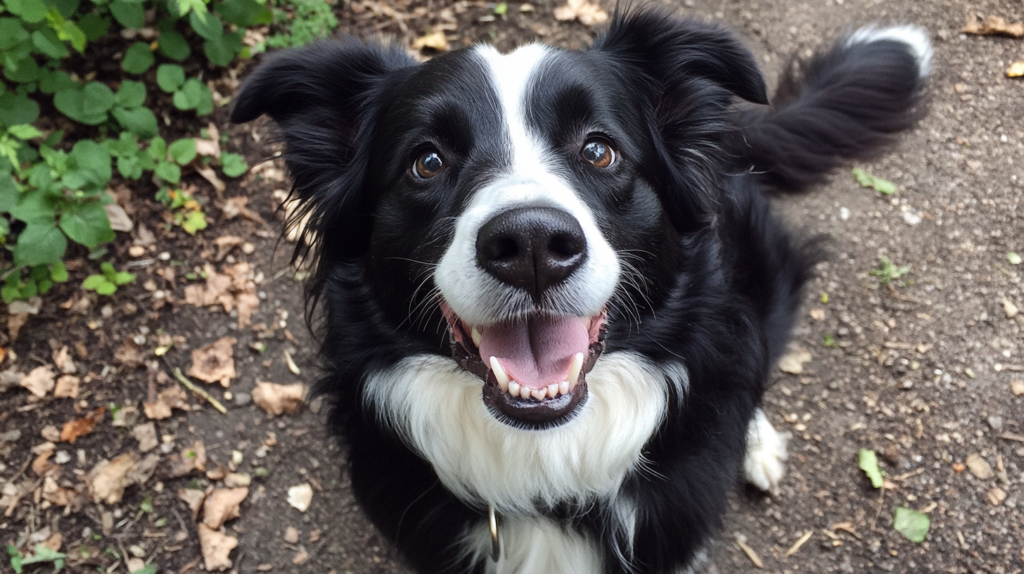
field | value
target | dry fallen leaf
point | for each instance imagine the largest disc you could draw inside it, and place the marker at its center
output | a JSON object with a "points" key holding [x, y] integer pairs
{"points": [[39, 381], [236, 287], [216, 547], [817, 313], [979, 467], [56, 494], [1016, 70], [588, 14], [300, 496], [301, 556], [194, 498], [67, 387], [209, 175], [225, 243], [994, 26], [215, 362], [119, 220], [146, 435], [793, 362], [222, 505], [278, 399], [108, 479], [43, 452], [64, 362], [76, 428], [189, 459], [209, 147], [435, 41], [169, 398]]}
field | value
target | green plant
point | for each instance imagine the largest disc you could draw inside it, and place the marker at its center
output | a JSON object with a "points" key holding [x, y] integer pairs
{"points": [[888, 271], [42, 554], [52, 184], [301, 22], [107, 282], [865, 179]]}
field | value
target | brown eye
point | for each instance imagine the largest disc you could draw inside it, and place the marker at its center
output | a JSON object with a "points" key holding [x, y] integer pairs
{"points": [[428, 165], [598, 153]]}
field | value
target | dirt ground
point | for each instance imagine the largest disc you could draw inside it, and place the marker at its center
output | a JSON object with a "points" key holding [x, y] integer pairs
{"points": [[922, 372]]}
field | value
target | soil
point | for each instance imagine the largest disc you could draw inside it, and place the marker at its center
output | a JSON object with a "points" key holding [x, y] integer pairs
{"points": [[921, 371]]}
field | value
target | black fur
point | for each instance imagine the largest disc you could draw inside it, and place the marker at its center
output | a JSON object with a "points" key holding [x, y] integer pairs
{"points": [[714, 280]]}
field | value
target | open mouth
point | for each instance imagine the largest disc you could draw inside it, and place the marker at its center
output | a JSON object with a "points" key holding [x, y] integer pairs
{"points": [[534, 369]]}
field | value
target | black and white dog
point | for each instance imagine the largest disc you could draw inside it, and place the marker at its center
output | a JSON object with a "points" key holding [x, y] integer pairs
{"points": [[553, 285]]}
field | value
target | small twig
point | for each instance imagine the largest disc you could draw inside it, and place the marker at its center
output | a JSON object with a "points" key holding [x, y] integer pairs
{"points": [[754, 558], [192, 387], [907, 475], [793, 549]]}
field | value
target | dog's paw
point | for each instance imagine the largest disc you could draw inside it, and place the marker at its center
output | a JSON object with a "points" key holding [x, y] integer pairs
{"points": [[765, 462]]}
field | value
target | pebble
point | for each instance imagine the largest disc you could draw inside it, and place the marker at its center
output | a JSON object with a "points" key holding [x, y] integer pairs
{"points": [[996, 422], [242, 399]]}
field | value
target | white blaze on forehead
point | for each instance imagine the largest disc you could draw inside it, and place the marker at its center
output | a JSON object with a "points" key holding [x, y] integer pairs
{"points": [[512, 74], [532, 177]]}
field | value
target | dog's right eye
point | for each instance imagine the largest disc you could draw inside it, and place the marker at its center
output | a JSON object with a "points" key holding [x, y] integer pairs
{"points": [[428, 164]]}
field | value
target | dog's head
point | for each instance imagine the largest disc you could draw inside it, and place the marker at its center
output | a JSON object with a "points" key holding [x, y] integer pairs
{"points": [[534, 199]]}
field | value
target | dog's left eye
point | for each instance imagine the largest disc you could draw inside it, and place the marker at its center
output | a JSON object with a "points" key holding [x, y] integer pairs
{"points": [[428, 164], [598, 153]]}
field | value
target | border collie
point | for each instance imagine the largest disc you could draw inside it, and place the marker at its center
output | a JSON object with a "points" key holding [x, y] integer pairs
{"points": [[552, 282]]}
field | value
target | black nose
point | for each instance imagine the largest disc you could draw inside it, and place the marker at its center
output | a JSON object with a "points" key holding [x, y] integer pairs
{"points": [[533, 248]]}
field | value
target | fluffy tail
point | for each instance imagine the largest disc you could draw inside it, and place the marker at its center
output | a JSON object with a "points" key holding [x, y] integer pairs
{"points": [[844, 103]]}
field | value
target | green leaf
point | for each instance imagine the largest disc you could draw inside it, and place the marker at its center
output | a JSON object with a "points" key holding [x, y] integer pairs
{"points": [[190, 96], [131, 15], [183, 151], [35, 206], [123, 277], [106, 288], [501, 9], [24, 131], [87, 105], [221, 51], [92, 161], [8, 195], [208, 26], [65, 8], [94, 26], [157, 149], [195, 221], [244, 13], [147, 569], [87, 224], [47, 42], [66, 30], [58, 272], [129, 166], [865, 179], [131, 94], [31, 11], [93, 281], [138, 58], [139, 121], [913, 525], [21, 71], [233, 164], [168, 172], [56, 80], [869, 464], [1013, 258], [173, 45], [108, 270], [97, 98], [39, 244], [17, 109], [170, 77], [12, 33]]}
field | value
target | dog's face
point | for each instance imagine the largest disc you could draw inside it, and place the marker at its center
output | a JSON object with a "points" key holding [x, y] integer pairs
{"points": [[530, 202]]}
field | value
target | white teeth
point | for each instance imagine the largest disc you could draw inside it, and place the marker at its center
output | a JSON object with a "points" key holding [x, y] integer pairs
{"points": [[563, 388], [552, 390], [539, 394], [500, 374], [513, 389], [573, 376], [475, 334]]}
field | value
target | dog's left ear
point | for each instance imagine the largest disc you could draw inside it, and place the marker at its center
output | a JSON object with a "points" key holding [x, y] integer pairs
{"points": [[670, 50], [687, 73]]}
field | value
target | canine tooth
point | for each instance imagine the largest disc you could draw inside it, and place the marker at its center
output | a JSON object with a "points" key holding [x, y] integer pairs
{"points": [[513, 388], [552, 390], [499, 373], [563, 388], [573, 376], [475, 334], [539, 394]]}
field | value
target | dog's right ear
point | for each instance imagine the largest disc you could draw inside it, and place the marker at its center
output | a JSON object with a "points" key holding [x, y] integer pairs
{"points": [[322, 98]]}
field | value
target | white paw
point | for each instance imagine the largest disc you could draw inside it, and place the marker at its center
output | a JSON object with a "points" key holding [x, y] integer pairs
{"points": [[765, 463]]}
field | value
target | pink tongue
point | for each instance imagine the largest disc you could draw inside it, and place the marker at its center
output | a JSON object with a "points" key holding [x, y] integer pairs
{"points": [[537, 352]]}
